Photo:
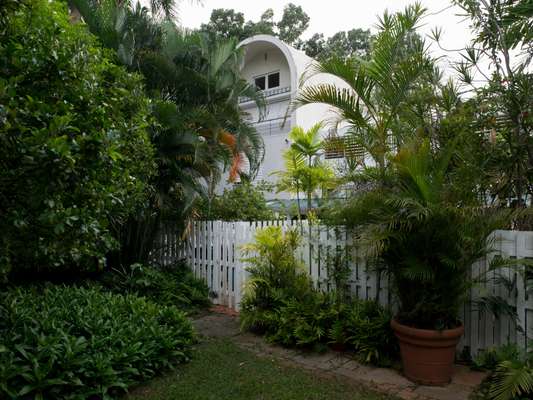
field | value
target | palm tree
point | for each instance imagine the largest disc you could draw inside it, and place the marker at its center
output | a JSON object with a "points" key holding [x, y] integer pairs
{"points": [[304, 171], [201, 76], [198, 129], [289, 179], [307, 143], [213, 71], [374, 89], [424, 234]]}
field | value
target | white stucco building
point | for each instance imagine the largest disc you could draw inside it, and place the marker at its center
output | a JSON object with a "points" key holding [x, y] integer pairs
{"points": [[277, 68]]}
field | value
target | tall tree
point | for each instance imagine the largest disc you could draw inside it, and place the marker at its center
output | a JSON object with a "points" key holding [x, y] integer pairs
{"points": [[225, 23], [315, 46], [293, 23], [198, 128], [343, 44], [377, 88], [502, 40], [518, 18], [265, 25]]}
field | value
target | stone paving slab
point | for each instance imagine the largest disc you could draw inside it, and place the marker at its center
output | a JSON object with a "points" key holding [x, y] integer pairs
{"points": [[333, 363], [449, 392], [217, 326]]}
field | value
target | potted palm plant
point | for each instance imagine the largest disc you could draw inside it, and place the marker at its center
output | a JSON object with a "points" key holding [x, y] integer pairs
{"points": [[426, 239]]}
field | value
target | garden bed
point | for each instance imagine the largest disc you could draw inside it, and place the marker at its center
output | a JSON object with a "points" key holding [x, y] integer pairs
{"points": [[65, 342]]}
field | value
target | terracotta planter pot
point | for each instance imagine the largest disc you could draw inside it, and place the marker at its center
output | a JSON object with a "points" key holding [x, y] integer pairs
{"points": [[427, 355]]}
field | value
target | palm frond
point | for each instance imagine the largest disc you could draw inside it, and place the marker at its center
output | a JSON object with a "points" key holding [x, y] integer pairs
{"points": [[342, 100], [512, 380]]}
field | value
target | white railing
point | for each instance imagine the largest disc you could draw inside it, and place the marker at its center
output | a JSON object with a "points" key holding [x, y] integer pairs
{"points": [[267, 93], [213, 250], [274, 126]]}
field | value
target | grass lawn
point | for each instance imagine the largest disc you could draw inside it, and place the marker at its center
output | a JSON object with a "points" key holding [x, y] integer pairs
{"points": [[220, 370]]}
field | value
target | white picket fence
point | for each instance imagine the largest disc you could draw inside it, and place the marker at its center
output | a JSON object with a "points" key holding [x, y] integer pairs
{"points": [[213, 250]]}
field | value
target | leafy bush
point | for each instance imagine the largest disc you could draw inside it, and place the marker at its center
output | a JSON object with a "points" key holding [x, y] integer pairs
{"points": [[368, 331], [275, 274], [281, 302], [243, 202], [510, 373], [77, 343], [172, 285], [318, 319], [423, 236], [302, 322], [491, 358], [74, 153]]}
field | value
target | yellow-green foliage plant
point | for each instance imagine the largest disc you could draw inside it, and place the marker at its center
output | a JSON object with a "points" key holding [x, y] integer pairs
{"points": [[281, 302], [275, 274], [304, 171]]}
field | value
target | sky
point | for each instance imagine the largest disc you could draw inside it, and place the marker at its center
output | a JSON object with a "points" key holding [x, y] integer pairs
{"points": [[331, 16]]}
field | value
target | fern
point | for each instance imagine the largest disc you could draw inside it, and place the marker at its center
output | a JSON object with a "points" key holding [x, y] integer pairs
{"points": [[512, 380]]}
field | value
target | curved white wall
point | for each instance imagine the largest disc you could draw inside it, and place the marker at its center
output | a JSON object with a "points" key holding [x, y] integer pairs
{"points": [[265, 54], [264, 62]]}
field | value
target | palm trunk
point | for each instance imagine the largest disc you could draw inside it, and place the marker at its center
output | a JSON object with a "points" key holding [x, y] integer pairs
{"points": [[298, 202], [309, 192]]}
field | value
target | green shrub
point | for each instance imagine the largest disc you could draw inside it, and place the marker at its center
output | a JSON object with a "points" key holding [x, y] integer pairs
{"points": [[489, 359], [281, 302], [368, 332], [318, 319], [243, 202], [74, 152], [171, 285], [76, 343], [275, 275], [305, 321], [510, 373]]}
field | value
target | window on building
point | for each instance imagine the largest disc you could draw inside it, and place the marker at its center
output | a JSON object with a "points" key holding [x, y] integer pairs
{"points": [[273, 80], [260, 82], [267, 81]]}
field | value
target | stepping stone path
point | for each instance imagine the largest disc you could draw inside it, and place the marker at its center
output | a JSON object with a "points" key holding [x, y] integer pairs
{"points": [[225, 324]]}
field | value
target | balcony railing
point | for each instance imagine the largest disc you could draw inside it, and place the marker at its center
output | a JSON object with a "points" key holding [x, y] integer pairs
{"points": [[267, 93], [273, 127]]}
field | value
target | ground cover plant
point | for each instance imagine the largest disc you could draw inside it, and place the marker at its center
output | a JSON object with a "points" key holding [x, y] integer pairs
{"points": [[281, 302], [241, 375], [77, 343], [172, 285], [510, 373]]}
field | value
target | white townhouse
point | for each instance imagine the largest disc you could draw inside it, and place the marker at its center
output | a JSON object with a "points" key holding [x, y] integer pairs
{"points": [[277, 68]]}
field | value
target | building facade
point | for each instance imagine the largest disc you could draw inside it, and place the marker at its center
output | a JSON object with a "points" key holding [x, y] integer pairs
{"points": [[277, 69]]}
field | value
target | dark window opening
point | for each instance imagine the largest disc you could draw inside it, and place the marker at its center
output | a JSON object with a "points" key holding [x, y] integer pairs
{"points": [[273, 80], [260, 82]]}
